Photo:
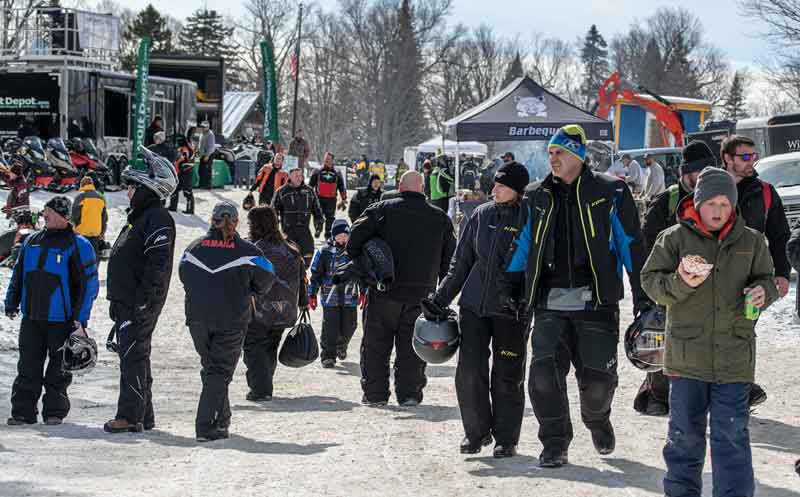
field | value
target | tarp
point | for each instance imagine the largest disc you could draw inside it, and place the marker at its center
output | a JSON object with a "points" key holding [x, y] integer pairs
{"points": [[523, 111], [236, 105], [469, 148]]}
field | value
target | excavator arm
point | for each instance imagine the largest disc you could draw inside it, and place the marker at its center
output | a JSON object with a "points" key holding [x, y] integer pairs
{"points": [[664, 112]]}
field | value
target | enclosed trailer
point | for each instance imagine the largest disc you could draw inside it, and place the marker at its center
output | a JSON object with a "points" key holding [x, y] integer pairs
{"points": [[773, 135]]}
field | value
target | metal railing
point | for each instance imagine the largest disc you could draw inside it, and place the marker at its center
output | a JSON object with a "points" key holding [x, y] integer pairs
{"points": [[44, 32]]}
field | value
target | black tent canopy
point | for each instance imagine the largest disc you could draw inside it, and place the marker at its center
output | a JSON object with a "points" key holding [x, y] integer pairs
{"points": [[523, 111]]}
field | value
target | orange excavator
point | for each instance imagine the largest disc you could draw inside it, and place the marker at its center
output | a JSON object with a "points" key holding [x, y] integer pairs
{"points": [[665, 112]]}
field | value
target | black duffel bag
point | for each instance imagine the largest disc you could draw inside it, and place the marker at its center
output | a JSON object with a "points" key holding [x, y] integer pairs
{"points": [[300, 347]]}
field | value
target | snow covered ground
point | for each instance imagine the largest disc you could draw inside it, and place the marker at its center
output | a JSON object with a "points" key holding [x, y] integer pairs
{"points": [[316, 439]]}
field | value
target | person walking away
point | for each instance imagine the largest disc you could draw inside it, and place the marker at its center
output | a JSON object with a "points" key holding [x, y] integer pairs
{"points": [[217, 320], [422, 242], [582, 228], [339, 302], [327, 182], [295, 203], [442, 183], [184, 167], [364, 197], [491, 403], [156, 125], [271, 177], [278, 308], [139, 272], [54, 284], [654, 185], [653, 395], [89, 215], [710, 345], [299, 148], [206, 148]]}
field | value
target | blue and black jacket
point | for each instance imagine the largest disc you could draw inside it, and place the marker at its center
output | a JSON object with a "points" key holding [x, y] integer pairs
{"points": [[327, 261], [608, 222], [55, 277], [221, 279]]}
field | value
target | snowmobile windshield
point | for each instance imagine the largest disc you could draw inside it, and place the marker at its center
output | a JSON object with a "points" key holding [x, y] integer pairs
{"points": [[34, 147]]}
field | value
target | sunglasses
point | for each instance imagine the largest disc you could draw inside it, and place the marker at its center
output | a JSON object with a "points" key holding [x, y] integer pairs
{"points": [[748, 157]]}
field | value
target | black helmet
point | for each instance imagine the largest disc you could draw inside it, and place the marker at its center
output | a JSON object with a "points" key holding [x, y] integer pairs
{"points": [[77, 145], [436, 341], [645, 340], [79, 354]]}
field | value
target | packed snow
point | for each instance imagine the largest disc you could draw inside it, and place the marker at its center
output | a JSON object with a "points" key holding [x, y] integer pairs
{"points": [[316, 439]]}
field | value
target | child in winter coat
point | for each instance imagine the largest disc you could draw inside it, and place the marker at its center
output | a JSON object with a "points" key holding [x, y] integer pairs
{"points": [[339, 302], [705, 270]]}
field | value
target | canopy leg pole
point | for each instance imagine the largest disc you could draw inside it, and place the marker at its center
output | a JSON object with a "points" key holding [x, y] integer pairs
{"points": [[458, 174]]}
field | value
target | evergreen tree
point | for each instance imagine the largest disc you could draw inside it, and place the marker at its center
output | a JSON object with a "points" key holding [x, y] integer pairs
{"points": [[148, 22], [680, 74], [735, 105], [651, 71], [594, 57], [515, 71], [206, 33]]}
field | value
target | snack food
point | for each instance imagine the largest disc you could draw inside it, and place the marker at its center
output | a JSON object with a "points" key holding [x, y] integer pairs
{"points": [[695, 264]]}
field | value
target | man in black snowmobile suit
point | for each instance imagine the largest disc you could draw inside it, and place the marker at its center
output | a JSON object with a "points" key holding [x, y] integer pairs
{"points": [[295, 203]]}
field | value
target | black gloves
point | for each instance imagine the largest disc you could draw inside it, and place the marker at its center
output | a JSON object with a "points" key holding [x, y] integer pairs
{"points": [[434, 311], [508, 289]]}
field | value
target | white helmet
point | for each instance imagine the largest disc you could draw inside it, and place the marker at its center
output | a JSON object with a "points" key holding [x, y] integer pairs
{"points": [[160, 176]]}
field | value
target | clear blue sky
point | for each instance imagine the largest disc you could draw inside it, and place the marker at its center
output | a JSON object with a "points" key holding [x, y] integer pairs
{"points": [[724, 24]]}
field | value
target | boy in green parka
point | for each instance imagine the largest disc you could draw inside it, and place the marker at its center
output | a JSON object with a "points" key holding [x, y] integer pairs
{"points": [[710, 347]]}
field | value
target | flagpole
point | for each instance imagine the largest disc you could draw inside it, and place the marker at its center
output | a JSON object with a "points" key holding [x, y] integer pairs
{"points": [[297, 69]]}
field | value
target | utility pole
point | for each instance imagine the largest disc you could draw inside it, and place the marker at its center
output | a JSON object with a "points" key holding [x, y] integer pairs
{"points": [[297, 69]]}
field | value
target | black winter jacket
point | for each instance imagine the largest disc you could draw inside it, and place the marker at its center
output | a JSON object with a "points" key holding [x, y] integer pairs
{"points": [[278, 307], [296, 205], [140, 266], [363, 198], [421, 239], [609, 224], [773, 223], [479, 258], [659, 216], [220, 278]]}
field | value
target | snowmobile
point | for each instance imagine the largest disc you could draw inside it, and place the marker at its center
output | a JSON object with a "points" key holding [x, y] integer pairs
{"points": [[86, 160], [66, 177], [23, 223], [37, 169]]}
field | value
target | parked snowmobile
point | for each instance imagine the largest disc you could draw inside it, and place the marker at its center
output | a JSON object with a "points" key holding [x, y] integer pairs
{"points": [[86, 160], [23, 223], [37, 169], [67, 176]]}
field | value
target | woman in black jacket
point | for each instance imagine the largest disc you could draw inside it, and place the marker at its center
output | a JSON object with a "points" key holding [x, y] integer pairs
{"points": [[474, 271], [276, 310], [221, 273]]}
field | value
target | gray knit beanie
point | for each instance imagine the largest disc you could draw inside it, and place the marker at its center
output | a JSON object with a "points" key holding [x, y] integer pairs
{"points": [[712, 182]]}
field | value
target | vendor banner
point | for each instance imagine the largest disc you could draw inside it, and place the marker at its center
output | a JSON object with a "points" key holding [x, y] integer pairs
{"points": [[141, 101], [269, 95]]}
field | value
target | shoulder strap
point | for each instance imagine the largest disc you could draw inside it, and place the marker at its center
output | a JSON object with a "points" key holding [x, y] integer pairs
{"points": [[674, 198], [766, 191]]}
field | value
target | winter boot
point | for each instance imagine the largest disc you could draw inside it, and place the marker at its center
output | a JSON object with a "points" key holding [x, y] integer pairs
{"points": [[469, 447], [189, 204], [503, 451], [604, 439], [553, 458], [328, 363], [52, 421], [20, 421], [122, 426]]}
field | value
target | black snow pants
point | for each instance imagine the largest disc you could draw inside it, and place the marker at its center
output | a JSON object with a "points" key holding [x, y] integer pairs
{"points": [[219, 352], [184, 185], [40, 340], [589, 341], [134, 342], [261, 357], [205, 173], [328, 206], [390, 322], [338, 326], [491, 403], [301, 235]]}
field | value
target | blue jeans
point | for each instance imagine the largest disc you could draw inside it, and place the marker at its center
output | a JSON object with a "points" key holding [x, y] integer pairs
{"points": [[690, 402]]}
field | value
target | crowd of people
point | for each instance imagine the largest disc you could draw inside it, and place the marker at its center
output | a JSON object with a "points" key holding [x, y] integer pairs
{"points": [[540, 262]]}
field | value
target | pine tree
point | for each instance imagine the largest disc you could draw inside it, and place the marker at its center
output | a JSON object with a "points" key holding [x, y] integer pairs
{"points": [[735, 105], [206, 33], [594, 57], [515, 71], [651, 70], [148, 22]]}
